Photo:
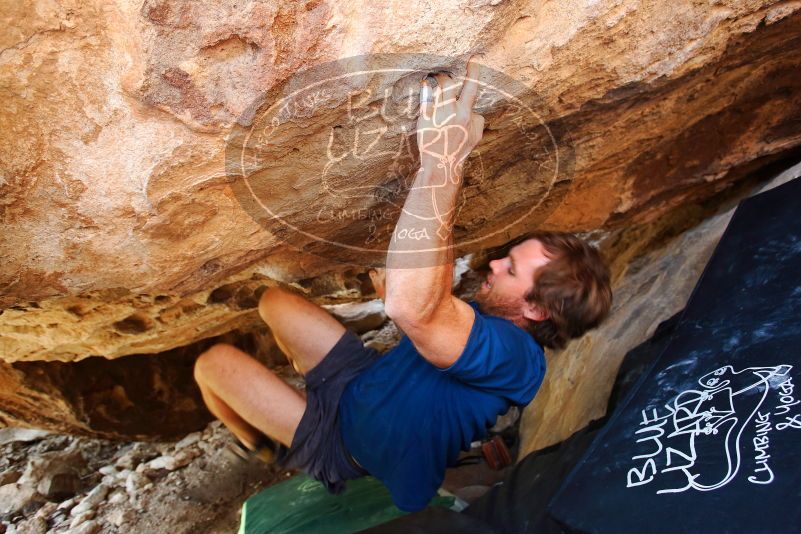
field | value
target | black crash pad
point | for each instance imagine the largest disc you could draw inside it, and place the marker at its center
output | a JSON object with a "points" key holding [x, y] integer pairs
{"points": [[518, 504], [708, 441]]}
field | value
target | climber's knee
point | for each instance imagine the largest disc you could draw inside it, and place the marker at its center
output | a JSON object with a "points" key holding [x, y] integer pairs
{"points": [[210, 361], [273, 300]]}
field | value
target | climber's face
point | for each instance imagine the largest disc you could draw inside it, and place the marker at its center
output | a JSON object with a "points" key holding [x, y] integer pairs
{"points": [[510, 280]]}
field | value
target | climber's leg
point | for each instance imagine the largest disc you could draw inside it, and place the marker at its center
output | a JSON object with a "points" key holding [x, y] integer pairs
{"points": [[246, 396], [304, 331]]}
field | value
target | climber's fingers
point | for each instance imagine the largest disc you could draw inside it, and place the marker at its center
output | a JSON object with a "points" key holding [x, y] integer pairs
{"points": [[444, 99], [467, 98], [440, 103], [449, 89], [426, 99]]}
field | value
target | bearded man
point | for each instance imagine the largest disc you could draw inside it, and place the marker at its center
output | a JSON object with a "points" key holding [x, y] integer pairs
{"points": [[403, 417]]}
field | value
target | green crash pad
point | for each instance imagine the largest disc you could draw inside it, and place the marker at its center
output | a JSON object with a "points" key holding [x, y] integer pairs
{"points": [[301, 504]]}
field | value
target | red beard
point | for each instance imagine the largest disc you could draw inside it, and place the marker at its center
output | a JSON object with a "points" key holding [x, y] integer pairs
{"points": [[490, 304]]}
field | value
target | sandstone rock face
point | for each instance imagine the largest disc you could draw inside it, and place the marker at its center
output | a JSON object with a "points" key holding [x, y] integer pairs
{"points": [[125, 230]]}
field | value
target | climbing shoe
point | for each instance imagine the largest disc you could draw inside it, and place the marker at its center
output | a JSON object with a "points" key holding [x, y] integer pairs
{"points": [[264, 450]]}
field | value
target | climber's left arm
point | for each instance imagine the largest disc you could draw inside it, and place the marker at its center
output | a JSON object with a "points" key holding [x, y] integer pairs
{"points": [[419, 272]]}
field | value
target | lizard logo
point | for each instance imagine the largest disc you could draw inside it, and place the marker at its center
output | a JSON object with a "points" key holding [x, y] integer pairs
{"points": [[324, 160]]}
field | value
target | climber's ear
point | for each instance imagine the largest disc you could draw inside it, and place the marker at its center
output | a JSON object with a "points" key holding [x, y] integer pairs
{"points": [[533, 312]]}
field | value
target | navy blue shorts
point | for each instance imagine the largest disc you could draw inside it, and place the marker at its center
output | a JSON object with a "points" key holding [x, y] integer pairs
{"points": [[317, 447]]}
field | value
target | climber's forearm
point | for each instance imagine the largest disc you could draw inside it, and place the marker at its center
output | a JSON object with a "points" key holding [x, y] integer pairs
{"points": [[419, 271]]}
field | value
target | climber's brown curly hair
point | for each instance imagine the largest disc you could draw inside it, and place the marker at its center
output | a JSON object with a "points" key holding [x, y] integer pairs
{"points": [[573, 287]]}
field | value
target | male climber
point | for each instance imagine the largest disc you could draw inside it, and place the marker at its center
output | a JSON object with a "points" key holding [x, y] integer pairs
{"points": [[404, 416]]}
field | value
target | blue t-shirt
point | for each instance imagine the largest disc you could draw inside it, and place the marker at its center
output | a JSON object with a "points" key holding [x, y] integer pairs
{"points": [[405, 420]]}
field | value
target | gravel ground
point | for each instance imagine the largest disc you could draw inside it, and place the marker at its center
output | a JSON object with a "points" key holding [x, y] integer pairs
{"points": [[55, 483]]}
